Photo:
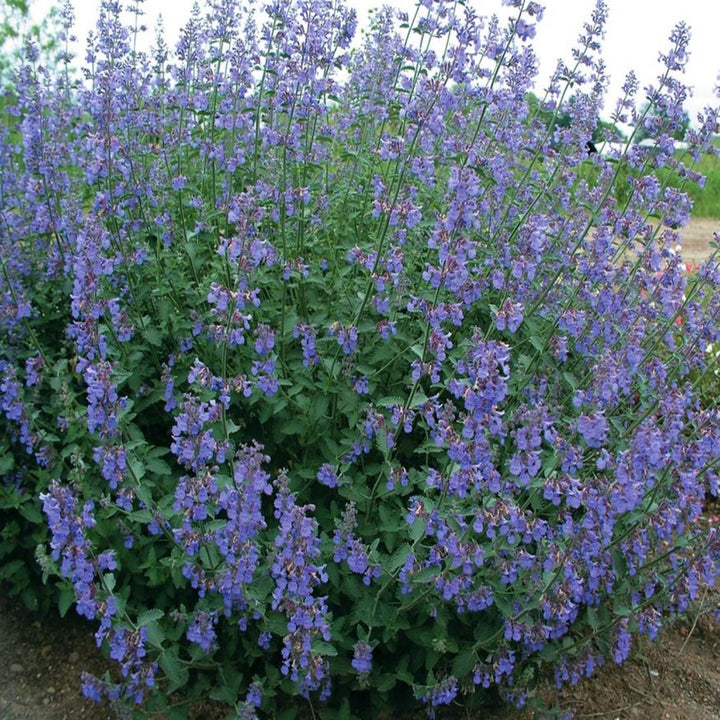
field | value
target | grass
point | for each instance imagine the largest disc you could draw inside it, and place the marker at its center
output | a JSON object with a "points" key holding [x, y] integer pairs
{"points": [[706, 201]]}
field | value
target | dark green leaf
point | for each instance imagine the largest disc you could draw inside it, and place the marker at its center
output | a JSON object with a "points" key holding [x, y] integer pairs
{"points": [[174, 670]]}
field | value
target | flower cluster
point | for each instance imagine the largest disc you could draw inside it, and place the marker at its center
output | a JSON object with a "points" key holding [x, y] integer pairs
{"points": [[350, 548], [296, 575], [87, 570]]}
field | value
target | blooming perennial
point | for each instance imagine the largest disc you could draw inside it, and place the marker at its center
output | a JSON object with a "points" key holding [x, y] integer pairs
{"points": [[342, 369]]}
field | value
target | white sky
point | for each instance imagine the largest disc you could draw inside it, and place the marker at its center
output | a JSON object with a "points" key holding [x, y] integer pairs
{"points": [[636, 31]]}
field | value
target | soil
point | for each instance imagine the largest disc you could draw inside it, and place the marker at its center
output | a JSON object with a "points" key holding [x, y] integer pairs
{"points": [[675, 678], [697, 236]]}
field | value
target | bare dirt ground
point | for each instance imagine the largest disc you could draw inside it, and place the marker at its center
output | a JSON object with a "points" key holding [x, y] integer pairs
{"points": [[675, 678], [697, 236]]}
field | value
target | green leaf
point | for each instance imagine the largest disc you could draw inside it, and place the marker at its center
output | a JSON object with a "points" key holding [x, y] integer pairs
{"points": [[537, 343], [319, 407], [65, 600], [9, 499], [7, 570], [153, 336], [623, 609], [363, 610], [417, 529], [30, 511], [155, 634], [276, 624], [158, 467], [593, 619], [391, 518], [231, 427], [289, 714], [147, 616], [144, 495], [341, 713], [137, 467], [142, 516], [291, 427], [621, 566], [422, 636], [164, 309], [7, 462], [464, 663], [225, 694], [324, 648], [29, 598], [385, 682], [178, 712], [175, 672], [399, 557], [418, 399]]}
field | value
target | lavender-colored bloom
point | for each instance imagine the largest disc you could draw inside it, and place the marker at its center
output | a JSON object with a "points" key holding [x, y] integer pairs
{"points": [[362, 658], [306, 333], [92, 688], [69, 543], [296, 575], [253, 700], [346, 337], [104, 402], [361, 385], [202, 630], [441, 694], [524, 30], [13, 407], [327, 475], [237, 539], [509, 317], [113, 464], [33, 366], [265, 340], [622, 643], [193, 441], [350, 548], [593, 429]]}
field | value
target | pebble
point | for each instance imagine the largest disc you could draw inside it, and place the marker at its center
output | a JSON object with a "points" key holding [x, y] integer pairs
{"points": [[74, 656], [16, 668]]}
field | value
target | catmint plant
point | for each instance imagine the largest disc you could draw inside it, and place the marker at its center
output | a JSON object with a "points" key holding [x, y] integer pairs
{"points": [[336, 371]]}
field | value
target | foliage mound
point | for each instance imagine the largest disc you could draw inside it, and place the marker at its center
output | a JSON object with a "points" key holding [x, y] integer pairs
{"points": [[326, 372]]}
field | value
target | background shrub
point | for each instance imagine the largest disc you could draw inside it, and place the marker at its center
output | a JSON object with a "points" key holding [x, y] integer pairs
{"points": [[333, 372]]}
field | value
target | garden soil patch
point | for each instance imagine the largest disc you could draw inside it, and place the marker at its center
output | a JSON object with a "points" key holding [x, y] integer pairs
{"points": [[697, 236], [675, 678], [41, 659]]}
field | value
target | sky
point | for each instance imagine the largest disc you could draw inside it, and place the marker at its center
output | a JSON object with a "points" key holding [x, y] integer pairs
{"points": [[637, 30]]}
